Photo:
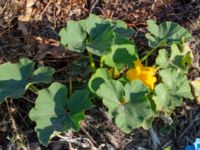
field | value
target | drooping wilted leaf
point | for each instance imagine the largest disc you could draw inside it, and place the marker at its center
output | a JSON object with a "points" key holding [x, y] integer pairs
{"points": [[169, 31], [187, 51]]}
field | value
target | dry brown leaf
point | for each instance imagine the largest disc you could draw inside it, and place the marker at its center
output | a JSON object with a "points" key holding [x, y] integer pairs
{"points": [[56, 52], [196, 89], [23, 28], [26, 17]]}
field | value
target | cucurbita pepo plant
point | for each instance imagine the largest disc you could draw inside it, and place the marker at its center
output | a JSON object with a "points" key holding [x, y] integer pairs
{"points": [[133, 93]]}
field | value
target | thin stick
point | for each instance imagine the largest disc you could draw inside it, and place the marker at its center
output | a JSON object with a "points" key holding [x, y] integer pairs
{"points": [[155, 139], [93, 6], [46, 7], [76, 141], [19, 141], [193, 121], [33, 88], [4, 7]]}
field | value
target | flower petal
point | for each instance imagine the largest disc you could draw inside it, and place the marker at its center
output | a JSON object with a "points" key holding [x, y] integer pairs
{"points": [[145, 74], [132, 74]]}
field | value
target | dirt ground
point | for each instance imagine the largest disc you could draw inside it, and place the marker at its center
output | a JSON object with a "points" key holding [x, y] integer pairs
{"points": [[30, 28]]}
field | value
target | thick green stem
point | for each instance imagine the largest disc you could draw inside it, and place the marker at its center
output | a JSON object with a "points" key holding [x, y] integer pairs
{"points": [[33, 88], [70, 86], [101, 62], [113, 73], [92, 64], [153, 50], [149, 54]]}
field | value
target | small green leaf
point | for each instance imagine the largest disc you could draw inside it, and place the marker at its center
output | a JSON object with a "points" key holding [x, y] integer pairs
{"points": [[97, 79], [73, 37], [43, 74], [172, 32], [147, 124], [176, 60], [49, 112], [171, 92]]}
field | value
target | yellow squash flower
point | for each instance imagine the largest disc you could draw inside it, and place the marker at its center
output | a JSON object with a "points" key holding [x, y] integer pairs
{"points": [[145, 74]]}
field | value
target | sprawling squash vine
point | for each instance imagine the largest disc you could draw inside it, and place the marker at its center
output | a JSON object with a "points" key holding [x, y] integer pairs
{"points": [[134, 93]]}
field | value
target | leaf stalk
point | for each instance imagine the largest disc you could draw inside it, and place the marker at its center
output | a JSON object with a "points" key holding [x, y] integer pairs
{"points": [[92, 64], [153, 50]]}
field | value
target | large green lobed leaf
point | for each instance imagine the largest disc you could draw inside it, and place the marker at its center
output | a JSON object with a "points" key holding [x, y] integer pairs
{"points": [[121, 56], [54, 112], [14, 78], [49, 112], [94, 34], [171, 92], [176, 60], [169, 31], [128, 105]]}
